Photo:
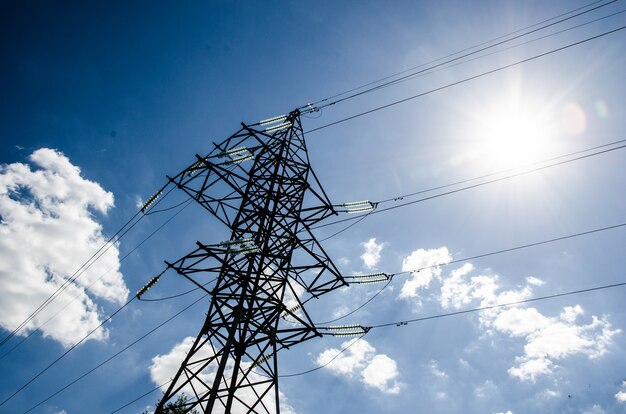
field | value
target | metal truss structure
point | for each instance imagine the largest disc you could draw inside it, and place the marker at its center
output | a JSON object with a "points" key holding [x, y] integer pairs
{"points": [[260, 184]]}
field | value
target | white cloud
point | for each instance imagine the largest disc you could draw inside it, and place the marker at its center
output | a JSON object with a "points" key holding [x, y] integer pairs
{"points": [[531, 280], [375, 370], [434, 369], [621, 396], [371, 256], [164, 367], [46, 233], [426, 260], [381, 374], [530, 369], [454, 292], [548, 339], [503, 412], [347, 363]]}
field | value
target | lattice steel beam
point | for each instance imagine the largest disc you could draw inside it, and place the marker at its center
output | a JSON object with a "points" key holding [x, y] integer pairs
{"points": [[260, 184]]}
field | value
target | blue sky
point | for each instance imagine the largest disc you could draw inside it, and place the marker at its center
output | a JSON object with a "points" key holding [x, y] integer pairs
{"points": [[128, 92]]}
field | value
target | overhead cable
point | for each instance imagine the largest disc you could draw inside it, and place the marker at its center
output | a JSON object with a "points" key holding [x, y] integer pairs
{"points": [[461, 57], [71, 348], [139, 339], [430, 71], [119, 234], [453, 54], [37, 329], [458, 190], [493, 253], [500, 305], [465, 80]]}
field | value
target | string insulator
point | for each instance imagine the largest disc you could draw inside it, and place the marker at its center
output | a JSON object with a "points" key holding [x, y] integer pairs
{"points": [[236, 155], [357, 207], [151, 200], [240, 246], [284, 125], [262, 359], [273, 120], [369, 278], [147, 286], [348, 330]]}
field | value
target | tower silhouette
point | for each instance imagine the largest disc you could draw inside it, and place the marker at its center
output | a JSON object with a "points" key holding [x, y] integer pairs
{"points": [[260, 184]]}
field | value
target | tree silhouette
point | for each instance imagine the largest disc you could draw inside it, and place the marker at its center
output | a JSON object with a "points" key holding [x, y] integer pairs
{"points": [[176, 407]]}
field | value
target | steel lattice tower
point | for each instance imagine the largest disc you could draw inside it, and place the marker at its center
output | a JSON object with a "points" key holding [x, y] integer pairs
{"points": [[259, 183]]}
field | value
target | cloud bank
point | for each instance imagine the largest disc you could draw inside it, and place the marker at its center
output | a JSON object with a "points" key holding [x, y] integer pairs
{"points": [[47, 231], [546, 339]]}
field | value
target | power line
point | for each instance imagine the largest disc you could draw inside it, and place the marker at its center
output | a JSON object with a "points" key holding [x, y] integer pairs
{"points": [[24, 339], [71, 279], [461, 57], [344, 349], [479, 256], [458, 190], [502, 305], [480, 75], [119, 234], [466, 311], [453, 54], [361, 306], [141, 338], [70, 349], [524, 246], [140, 397], [178, 294], [430, 71], [491, 174], [444, 315]]}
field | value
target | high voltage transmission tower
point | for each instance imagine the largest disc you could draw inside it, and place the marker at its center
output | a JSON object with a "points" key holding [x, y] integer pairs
{"points": [[260, 184]]}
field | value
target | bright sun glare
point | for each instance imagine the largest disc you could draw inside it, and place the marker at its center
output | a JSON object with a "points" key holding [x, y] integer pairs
{"points": [[513, 133]]}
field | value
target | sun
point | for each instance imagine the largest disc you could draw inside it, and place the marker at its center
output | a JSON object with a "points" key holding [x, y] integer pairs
{"points": [[512, 132]]}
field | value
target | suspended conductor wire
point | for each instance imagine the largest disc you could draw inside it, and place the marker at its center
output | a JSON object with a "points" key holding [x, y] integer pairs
{"points": [[400, 197], [501, 305], [24, 339], [465, 80], [511, 249], [443, 315], [430, 71], [525, 246], [178, 294], [140, 397], [458, 190], [103, 249], [451, 54], [359, 219], [327, 363], [360, 307], [169, 208], [70, 349], [141, 338], [85, 266], [406, 77], [403, 196]]}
